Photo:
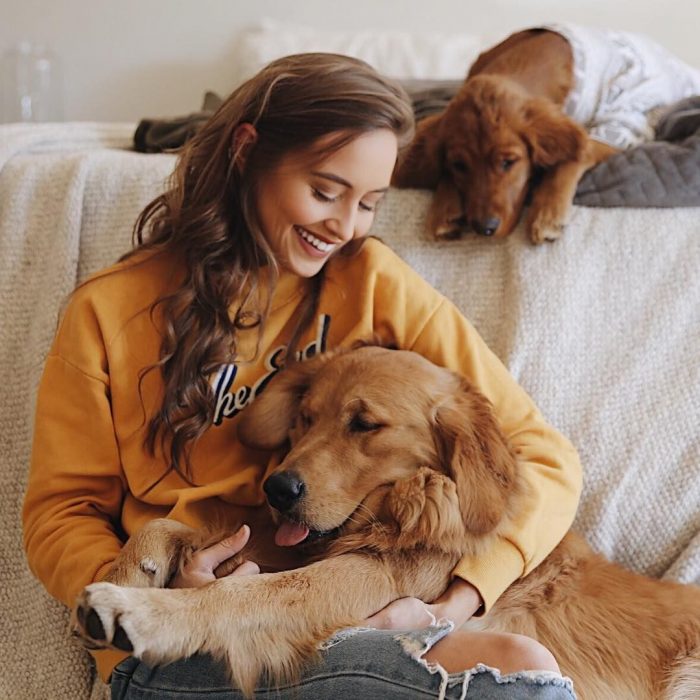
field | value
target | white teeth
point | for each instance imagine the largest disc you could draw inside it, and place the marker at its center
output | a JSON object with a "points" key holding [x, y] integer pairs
{"points": [[315, 242]]}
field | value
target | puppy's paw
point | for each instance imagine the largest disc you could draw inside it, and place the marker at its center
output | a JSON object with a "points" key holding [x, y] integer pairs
{"points": [[448, 229], [545, 224], [446, 219], [545, 234]]}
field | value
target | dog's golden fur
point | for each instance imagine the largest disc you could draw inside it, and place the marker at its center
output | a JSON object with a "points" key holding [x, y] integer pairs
{"points": [[504, 127], [404, 464]]}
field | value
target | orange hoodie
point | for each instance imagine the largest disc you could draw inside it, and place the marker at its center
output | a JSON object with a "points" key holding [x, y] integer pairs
{"points": [[92, 483]]}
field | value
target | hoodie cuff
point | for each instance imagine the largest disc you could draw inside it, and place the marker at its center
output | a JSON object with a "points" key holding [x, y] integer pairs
{"points": [[492, 572]]}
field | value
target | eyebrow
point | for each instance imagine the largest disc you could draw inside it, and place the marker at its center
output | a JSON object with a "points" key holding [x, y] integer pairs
{"points": [[341, 181]]}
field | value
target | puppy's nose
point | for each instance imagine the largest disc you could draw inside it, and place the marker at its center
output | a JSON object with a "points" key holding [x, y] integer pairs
{"points": [[486, 227], [283, 490]]}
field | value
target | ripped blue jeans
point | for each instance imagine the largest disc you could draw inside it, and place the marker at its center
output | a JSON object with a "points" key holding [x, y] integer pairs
{"points": [[356, 664]]}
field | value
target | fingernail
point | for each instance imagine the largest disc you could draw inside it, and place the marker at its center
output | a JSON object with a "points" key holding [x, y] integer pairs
{"points": [[232, 540], [241, 532]]}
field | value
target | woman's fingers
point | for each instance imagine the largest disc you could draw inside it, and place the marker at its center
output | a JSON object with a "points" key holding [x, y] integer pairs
{"points": [[404, 613], [210, 557], [202, 566], [247, 568]]}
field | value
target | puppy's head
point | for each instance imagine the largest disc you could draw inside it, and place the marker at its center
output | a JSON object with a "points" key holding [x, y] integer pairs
{"points": [[363, 427], [482, 152]]}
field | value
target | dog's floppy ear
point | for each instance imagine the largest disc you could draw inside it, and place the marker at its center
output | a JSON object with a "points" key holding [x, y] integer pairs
{"points": [[476, 455], [421, 164], [552, 136], [266, 422]]}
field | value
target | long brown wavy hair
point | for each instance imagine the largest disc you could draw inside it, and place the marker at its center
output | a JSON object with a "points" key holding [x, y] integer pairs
{"points": [[207, 219]]}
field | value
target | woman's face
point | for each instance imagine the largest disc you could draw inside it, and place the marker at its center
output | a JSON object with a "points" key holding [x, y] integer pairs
{"points": [[308, 211]]}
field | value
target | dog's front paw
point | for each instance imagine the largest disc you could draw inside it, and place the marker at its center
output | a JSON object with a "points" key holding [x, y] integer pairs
{"points": [[450, 229], [446, 219], [545, 224], [149, 623], [153, 554], [425, 508], [97, 617]]}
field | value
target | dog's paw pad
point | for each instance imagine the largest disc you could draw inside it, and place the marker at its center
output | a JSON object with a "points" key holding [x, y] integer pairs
{"points": [[121, 639], [93, 625]]}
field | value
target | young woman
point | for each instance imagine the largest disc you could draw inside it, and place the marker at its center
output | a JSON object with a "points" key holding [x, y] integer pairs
{"points": [[258, 251]]}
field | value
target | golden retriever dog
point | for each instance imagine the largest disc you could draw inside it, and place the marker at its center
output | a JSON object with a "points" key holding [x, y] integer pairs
{"points": [[395, 469], [502, 133]]}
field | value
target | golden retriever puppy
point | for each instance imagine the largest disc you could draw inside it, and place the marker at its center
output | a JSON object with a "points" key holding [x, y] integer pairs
{"points": [[501, 136], [396, 468]]}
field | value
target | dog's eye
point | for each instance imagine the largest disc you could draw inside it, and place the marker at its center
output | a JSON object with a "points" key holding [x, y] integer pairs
{"points": [[459, 166], [507, 164], [358, 424], [305, 420]]}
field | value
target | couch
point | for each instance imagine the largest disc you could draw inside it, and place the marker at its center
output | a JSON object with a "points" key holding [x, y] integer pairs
{"points": [[602, 328]]}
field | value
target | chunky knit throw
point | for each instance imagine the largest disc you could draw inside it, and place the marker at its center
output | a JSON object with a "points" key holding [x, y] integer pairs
{"points": [[602, 328]]}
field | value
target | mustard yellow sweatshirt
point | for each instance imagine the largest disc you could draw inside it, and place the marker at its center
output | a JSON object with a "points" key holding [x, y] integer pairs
{"points": [[92, 483]]}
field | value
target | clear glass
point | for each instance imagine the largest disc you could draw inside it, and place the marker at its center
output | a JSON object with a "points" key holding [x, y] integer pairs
{"points": [[32, 85]]}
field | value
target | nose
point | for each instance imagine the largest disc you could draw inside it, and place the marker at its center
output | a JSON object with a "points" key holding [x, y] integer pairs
{"points": [[343, 225], [283, 490], [486, 227]]}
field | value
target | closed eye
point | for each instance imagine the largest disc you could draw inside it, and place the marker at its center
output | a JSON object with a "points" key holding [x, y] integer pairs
{"points": [[359, 424], [304, 420], [327, 199], [322, 197]]}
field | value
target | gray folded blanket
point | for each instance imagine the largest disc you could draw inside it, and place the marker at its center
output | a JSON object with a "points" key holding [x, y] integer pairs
{"points": [[660, 173]]}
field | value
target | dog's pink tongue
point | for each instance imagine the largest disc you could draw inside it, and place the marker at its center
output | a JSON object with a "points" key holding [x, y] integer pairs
{"points": [[290, 533]]}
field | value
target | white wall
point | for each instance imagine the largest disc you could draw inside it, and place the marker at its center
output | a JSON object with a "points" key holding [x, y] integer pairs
{"points": [[126, 59]]}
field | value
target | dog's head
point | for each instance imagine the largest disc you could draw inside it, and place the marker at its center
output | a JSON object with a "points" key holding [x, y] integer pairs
{"points": [[482, 152], [378, 434]]}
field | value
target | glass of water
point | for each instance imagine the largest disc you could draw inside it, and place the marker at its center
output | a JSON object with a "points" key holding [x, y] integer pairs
{"points": [[31, 85]]}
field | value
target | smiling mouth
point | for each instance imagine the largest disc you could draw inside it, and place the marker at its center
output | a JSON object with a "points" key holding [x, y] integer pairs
{"points": [[314, 241]]}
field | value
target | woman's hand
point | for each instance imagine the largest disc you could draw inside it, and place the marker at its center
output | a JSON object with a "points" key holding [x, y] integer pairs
{"points": [[458, 603], [200, 569]]}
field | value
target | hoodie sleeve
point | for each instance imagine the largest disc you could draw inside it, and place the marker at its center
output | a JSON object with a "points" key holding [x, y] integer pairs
{"points": [[548, 461], [76, 485]]}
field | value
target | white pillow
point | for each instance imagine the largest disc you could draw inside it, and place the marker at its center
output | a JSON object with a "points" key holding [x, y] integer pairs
{"points": [[400, 54]]}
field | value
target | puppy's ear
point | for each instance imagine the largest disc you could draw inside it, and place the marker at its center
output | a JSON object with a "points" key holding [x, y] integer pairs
{"points": [[421, 164], [265, 423], [553, 137], [476, 455]]}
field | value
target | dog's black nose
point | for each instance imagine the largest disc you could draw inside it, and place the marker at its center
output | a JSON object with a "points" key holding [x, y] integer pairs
{"points": [[486, 227], [283, 490]]}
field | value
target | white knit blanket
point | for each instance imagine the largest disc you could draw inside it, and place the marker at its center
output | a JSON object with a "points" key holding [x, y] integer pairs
{"points": [[601, 327]]}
